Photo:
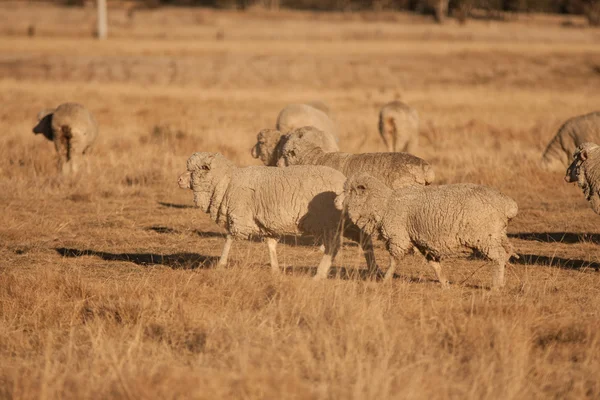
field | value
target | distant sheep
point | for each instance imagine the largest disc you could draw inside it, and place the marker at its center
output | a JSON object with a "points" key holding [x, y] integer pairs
{"points": [[395, 169], [298, 115], [437, 220], [73, 130], [585, 170], [574, 132], [271, 202], [399, 127], [269, 143]]}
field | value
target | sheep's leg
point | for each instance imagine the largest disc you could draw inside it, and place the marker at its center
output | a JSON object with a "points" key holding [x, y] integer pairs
{"points": [[225, 253], [366, 244], [438, 272], [332, 245], [500, 257], [272, 244], [389, 274]]}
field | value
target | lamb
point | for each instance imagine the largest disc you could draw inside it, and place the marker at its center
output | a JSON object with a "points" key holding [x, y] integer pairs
{"points": [[399, 127], [585, 170], [269, 143], [574, 132], [395, 169], [73, 130], [437, 220], [270, 202], [297, 115]]}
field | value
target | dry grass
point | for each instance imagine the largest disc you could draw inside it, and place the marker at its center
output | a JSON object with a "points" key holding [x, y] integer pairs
{"points": [[106, 285]]}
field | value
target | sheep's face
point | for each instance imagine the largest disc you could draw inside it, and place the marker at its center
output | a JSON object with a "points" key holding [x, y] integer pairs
{"points": [[295, 145], [581, 154], [44, 125], [185, 180], [267, 141], [364, 200], [204, 172]]}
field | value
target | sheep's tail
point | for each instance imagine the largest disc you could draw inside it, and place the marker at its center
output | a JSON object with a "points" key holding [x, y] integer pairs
{"points": [[67, 135]]}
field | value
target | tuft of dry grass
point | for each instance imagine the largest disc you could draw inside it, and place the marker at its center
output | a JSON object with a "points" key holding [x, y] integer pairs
{"points": [[107, 288]]}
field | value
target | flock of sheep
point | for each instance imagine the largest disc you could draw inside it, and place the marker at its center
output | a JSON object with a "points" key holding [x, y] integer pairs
{"points": [[307, 186]]}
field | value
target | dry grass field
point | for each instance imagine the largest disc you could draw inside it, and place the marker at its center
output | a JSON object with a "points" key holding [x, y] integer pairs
{"points": [[106, 282]]}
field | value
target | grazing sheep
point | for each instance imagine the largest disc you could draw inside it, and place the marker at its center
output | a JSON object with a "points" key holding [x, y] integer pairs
{"points": [[585, 170], [270, 141], [297, 115], [437, 220], [574, 132], [271, 202], [395, 169], [73, 130], [399, 127]]}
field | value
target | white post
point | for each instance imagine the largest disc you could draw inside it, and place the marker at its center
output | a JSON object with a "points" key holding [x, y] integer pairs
{"points": [[102, 26]]}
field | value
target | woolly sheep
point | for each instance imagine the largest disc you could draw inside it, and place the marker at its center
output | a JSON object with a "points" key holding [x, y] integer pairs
{"points": [[437, 220], [585, 170], [574, 132], [399, 127], [270, 202], [395, 169], [73, 130], [297, 115], [269, 143]]}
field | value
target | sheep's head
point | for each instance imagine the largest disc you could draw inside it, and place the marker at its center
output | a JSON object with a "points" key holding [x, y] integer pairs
{"points": [[300, 141], [364, 200], [586, 172], [204, 172], [581, 154], [265, 149], [44, 125]]}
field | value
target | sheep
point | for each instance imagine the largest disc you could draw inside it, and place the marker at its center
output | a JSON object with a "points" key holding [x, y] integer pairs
{"points": [[73, 130], [585, 170], [395, 169], [574, 132], [437, 220], [270, 202], [270, 141], [297, 115], [399, 127]]}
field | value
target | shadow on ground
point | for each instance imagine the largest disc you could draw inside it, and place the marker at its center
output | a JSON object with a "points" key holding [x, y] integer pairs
{"points": [[173, 205], [178, 260], [286, 239], [565, 263], [558, 237]]}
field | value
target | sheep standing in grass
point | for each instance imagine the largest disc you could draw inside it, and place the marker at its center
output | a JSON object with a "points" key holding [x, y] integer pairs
{"points": [[574, 132], [399, 127], [269, 143], [298, 115], [271, 202], [73, 130], [437, 220], [395, 169], [585, 170]]}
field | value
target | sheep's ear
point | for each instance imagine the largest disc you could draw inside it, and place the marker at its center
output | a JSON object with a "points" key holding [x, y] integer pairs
{"points": [[583, 155]]}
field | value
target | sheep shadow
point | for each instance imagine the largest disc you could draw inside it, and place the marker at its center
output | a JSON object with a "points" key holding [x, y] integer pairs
{"points": [[308, 241], [175, 261], [173, 205], [344, 273], [563, 263], [557, 237]]}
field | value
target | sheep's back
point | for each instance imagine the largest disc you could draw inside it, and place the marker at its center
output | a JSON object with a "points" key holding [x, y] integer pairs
{"points": [[394, 169]]}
